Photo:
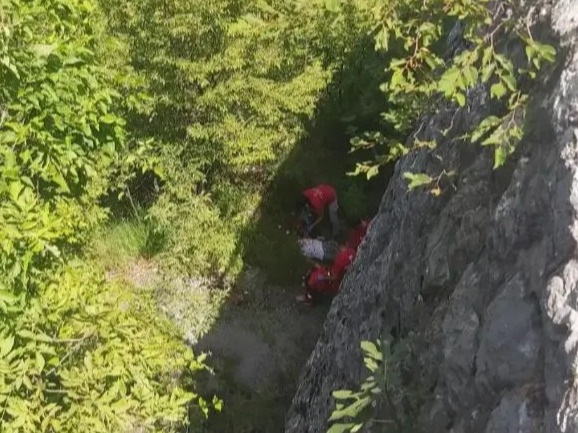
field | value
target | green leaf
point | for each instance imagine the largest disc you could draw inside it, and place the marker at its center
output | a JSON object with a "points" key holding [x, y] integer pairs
{"points": [[505, 63], [371, 350], [59, 179], [396, 79], [333, 5], [500, 156], [7, 137], [73, 61], [24, 333], [461, 99], [14, 189], [88, 363], [431, 62], [371, 365], [487, 56], [449, 81], [352, 410], [342, 394], [495, 138], [487, 72], [382, 40], [372, 171], [530, 51], [497, 90], [39, 361], [548, 52], [510, 82], [340, 428], [471, 75], [108, 118], [217, 404], [8, 297], [6, 346], [484, 126], [417, 179], [10, 66]]}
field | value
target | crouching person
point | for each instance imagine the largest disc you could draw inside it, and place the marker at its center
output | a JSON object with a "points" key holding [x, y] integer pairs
{"points": [[317, 202], [318, 286], [357, 235], [322, 282], [341, 263]]}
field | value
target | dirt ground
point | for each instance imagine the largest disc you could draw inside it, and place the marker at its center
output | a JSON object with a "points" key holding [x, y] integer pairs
{"points": [[258, 348], [257, 339]]}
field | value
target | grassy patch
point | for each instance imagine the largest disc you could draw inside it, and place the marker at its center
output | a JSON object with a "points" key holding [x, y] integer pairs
{"points": [[121, 242], [191, 305]]}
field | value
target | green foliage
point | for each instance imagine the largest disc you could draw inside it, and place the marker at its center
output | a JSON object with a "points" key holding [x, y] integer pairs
{"points": [[416, 180], [76, 353], [353, 198], [197, 239], [228, 89], [421, 76], [379, 394], [83, 356], [58, 134]]}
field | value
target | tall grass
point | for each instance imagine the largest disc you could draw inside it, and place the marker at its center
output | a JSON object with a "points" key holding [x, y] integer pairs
{"points": [[121, 242]]}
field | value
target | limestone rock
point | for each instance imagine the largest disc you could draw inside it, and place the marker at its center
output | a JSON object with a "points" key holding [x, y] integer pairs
{"points": [[486, 275]]}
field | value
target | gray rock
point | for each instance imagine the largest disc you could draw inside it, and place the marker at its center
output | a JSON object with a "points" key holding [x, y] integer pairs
{"points": [[514, 415], [486, 275], [510, 344], [460, 334]]}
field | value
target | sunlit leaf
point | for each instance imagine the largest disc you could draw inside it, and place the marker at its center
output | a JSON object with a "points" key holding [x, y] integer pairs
{"points": [[417, 179], [39, 361], [340, 428], [341, 394], [371, 349], [333, 5], [6, 346], [498, 90]]}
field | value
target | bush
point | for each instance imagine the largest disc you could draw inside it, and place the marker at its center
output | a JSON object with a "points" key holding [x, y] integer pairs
{"points": [[226, 113], [76, 354], [90, 356]]}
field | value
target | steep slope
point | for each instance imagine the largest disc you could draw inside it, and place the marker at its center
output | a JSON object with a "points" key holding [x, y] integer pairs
{"points": [[483, 279]]}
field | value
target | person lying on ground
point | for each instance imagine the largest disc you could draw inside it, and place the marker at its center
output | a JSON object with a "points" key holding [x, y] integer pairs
{"points": [[318, 249], [322, 199], [323, 282], [326, 250]]}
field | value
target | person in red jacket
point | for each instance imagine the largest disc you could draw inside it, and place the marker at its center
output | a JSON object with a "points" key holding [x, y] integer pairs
{"points": [[318, 284], [357, 234], [322, 199], [341, 263], [322, 281]]}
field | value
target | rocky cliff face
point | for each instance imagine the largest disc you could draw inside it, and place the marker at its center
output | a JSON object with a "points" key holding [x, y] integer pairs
{"points": [[485, 276]]}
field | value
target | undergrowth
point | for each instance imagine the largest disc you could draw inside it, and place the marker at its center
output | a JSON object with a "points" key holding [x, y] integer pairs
{"points": [[119, 243]]}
